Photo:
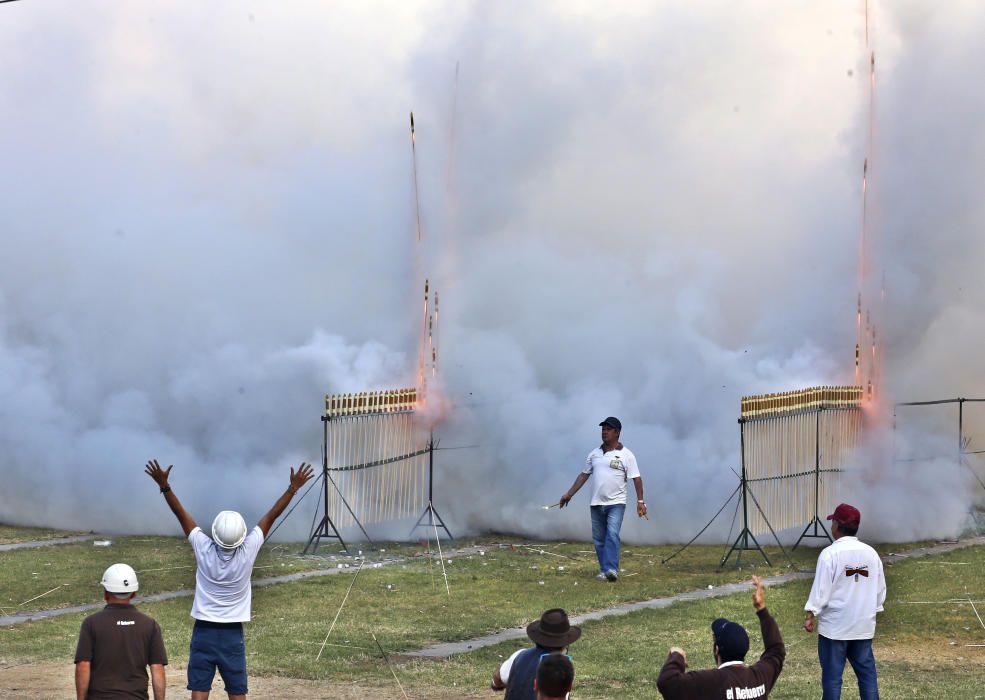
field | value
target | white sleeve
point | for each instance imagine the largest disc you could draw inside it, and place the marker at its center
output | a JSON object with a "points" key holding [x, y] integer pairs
{"points": [[823, 583], [588, 463], [199, 541], [253, 542], [632, 469], [882, 585], [504, 668]]}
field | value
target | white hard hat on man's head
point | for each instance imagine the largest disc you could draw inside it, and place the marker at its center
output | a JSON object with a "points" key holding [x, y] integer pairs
{"points": [[229, 529], [120, 578]]}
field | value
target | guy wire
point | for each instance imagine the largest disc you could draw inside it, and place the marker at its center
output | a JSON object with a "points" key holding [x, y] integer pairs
{"points": [[345, 598]]}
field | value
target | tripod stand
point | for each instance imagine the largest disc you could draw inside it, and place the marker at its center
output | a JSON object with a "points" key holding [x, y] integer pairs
{"points": [[325, 529], [433, 517], [742, 542]]}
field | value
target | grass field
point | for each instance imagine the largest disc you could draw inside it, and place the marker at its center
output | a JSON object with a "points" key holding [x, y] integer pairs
{"points": [[920, 647]]}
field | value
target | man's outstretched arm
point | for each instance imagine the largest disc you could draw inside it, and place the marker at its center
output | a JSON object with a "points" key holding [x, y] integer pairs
{"points": [[298, 480], [154, 471], [579, 482]]}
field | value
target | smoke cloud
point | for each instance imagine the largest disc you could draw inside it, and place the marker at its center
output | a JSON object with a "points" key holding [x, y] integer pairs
{"points": [[208, 223]]}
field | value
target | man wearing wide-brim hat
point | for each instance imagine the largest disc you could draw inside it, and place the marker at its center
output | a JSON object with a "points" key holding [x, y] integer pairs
{"points": [[551, 634]]}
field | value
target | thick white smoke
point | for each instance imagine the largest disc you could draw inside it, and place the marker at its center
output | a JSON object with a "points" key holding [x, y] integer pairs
{"points": [[208, 223]]}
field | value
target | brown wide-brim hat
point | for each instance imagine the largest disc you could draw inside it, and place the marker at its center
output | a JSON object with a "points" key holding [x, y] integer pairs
{"points": [[553, 630]]}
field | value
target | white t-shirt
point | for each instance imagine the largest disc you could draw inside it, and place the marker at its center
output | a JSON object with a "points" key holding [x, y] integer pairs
{"points": [[611, 472], [222, 581], [849, 589]]}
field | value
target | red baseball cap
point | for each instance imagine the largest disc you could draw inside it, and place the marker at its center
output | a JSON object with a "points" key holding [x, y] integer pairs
{"points": [[846, 514]]}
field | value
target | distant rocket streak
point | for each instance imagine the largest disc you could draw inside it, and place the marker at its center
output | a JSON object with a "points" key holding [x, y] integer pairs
{"points": [[417, 199]]}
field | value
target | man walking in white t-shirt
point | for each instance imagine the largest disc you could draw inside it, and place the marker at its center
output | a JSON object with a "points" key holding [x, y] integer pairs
{"points": [[849, 589], [612, 465], [223, 591]]}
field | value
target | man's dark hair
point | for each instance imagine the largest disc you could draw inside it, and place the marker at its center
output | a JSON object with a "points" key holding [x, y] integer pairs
{"points": [[850, 529], [555, 675]]}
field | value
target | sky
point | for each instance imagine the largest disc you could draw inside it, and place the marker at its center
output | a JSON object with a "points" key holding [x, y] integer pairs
{"points": [[640, 209]]}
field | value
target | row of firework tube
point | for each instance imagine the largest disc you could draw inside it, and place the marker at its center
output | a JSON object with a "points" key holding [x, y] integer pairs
{"points": [[802, 399], [370, 402]]}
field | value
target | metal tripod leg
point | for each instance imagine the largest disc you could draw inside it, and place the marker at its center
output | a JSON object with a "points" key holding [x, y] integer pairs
{"points": [[433, 518], [814, 523], [744, 537], [321, 531]]}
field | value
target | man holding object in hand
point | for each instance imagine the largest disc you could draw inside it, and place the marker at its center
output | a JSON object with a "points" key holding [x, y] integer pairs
{"points": [[611, 465]]}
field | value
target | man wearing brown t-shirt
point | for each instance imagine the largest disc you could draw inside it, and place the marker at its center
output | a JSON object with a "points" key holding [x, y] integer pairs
{"points": [[733, 679], [117, 644]]}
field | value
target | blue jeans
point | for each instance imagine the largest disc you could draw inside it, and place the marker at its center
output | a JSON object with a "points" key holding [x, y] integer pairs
{"points": [[833, 652], [606, 522]]}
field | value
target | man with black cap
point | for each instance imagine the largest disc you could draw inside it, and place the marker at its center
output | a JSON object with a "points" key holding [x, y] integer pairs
{"points": [[732, 680], [849, 589], [612, 465], [551, 634]]}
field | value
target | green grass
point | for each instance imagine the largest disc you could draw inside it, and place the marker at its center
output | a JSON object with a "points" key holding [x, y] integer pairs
{"points": [[74, 570], [11, 534], [919, 648], [405, 605], [167, 564]]}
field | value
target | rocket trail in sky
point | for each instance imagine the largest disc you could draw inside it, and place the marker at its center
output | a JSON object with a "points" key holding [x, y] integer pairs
{"points": [[417, 198]]}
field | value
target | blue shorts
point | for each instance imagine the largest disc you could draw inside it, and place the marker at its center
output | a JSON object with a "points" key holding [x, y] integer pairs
{"points": [[217, 645]]}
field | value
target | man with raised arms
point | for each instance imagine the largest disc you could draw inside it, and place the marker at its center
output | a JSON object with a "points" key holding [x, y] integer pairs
{"points": [[223, 590]]}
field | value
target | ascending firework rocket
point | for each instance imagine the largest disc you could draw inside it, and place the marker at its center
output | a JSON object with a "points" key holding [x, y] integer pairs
{"points": [[413, 150]]}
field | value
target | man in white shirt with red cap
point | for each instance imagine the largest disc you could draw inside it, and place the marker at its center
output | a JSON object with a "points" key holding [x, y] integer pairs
{"points": [[849, 589], [223, 588]]}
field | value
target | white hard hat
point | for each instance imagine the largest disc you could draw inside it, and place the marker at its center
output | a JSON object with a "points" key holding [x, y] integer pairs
{"points": [[120, 578], [229, 529]]}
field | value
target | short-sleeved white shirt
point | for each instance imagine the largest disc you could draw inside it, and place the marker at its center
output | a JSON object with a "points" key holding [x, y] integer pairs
{"points": [[610, 473], [222, 581]]}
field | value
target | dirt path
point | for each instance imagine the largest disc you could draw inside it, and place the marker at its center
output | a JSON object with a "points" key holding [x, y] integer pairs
{"points": [[56, 680]]}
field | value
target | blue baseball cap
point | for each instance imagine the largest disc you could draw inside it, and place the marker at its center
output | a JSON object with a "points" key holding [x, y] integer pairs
{"points": [[731, 639]]}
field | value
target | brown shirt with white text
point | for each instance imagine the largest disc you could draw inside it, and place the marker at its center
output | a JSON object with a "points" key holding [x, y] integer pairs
{"points": [[119, 642]]}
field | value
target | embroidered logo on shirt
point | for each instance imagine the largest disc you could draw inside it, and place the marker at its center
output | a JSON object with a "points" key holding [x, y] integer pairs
{"points": [[616, 463], [857, 571]]}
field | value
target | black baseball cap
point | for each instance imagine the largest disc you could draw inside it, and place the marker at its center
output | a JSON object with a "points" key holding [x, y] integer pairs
{"points": [[612, 422], [731, 639]]}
